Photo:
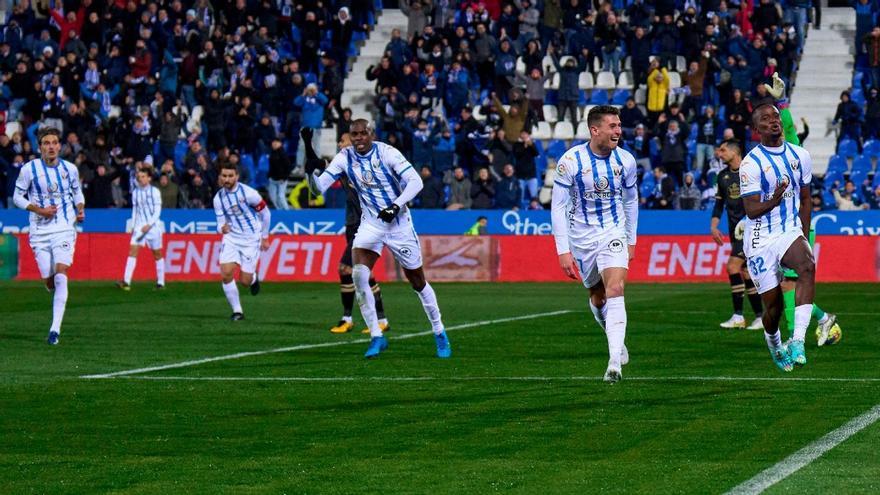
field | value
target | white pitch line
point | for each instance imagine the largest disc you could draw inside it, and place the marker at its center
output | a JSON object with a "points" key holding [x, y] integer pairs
{"points": [[791, 464], [239, 355], [491, 378]]}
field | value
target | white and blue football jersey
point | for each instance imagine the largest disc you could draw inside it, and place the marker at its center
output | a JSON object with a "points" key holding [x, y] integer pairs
{"points": [[240, 209], [46, 185], [761, 170], [146, 206], [596, 188]]}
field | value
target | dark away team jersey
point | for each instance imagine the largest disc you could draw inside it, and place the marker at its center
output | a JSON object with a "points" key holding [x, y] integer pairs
{"points": [[352, 204], [728, 196]]}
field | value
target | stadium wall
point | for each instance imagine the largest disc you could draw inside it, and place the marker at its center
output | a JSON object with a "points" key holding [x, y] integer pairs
{"points": [[501, 258]]}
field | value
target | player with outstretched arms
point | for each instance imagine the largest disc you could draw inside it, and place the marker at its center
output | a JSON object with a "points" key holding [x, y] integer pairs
{"points": [[385, 182], [243, 218], [146, 207], [595, 216], [775, 183], [352, 222], [48, 187], [727, 196]]}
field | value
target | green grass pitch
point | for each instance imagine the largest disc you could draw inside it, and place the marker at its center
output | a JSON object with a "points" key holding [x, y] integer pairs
{"points": [[520, 407]]}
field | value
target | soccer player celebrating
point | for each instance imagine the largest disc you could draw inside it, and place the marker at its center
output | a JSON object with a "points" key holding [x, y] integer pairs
{"points": [[352, 222], [146, 206], [49, 189], [727, 196], [595, 215], [243, 219], [775, 183], [384, 182]]}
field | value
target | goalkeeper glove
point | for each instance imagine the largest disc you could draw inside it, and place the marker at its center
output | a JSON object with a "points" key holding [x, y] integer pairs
{"points": [[388, 214], [777, 90]]}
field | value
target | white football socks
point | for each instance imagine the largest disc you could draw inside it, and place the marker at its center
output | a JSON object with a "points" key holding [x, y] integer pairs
{"points": [[599, 313], [59, 302], [366, 300], [160, 271], [231, 291], [432, 310], [615, 326], [774, 340], [130, 264], [802, 315]]}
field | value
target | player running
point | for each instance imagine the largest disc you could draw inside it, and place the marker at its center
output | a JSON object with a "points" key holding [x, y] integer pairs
{"points": [[595, 215], [146, 206], [352, 222], [775, 183], [727, 196], [243, 218], [385, 182], [49, 189]]}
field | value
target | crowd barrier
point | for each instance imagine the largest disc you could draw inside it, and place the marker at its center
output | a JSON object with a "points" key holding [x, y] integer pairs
{"points": [[659, 258]]}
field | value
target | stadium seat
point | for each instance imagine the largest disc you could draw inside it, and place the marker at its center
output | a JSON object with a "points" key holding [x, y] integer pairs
{"points": [[828, 199], [247, 162], [831, 177], [871, 148], [599, 97], [563, 131], [12, 128], [597, 64], [641, 96], [858, 96], [553, 82], [674, 80], [556, 148], [858, 177], [847, 148], [627, 63], [584, 111], [550, 114], [585, 80], [625, 80], [876, 181], [583, 131], [620, 97], [605, 80], [542, 131], [180, 150], [547, 60], [680, 64], [862, 164], [837, 163], [520, 65]]}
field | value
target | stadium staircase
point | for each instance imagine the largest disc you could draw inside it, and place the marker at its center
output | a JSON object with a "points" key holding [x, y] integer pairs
{"points": [[825, 70], [359, 92]]}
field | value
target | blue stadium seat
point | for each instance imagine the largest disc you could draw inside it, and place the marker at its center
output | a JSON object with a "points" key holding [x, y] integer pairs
{"points": [[654, 149], [556, 148], [862, 164], [828, 199], [871, 148], [620, 97], [831, 176], [262, 175], [179, 153], [848, 148], [247, 162], [837, 163], [858, 96], [876, 181], [599, 97], [857, 177], [541, 159]]}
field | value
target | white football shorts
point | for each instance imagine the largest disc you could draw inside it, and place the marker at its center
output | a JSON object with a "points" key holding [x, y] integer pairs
{"points": [[765, 259], [152, 239], [245, 255], [402, 242], [608, 250], [52, 249]]}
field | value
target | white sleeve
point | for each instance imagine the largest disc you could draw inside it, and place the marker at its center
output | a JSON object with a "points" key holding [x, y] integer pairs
{"points": [[157, 210], [559, 217], [266, 219], [631, 213], [749, 178], [806, 168], [319, 182], [629, 172], [413, 185], [257, 202], [219, 213], [399, 164], [22, 185], [75, 187]]}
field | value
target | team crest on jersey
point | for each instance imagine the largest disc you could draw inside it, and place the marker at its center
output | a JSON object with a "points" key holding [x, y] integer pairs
{"points": [[617, 169], [616, 246], [367, 177], [53, 188], [795, 164], [602, 184], [236, 210], [733, 191]]}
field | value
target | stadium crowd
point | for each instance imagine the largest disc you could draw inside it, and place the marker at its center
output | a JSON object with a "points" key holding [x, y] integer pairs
{"points": [[479, 95]]}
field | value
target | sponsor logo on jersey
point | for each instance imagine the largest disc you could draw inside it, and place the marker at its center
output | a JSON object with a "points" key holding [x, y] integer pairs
{"points": [[602, 184], [733, 191], [53, 188], [65, 246], [616, 246], [744, 179], [405, 252]]}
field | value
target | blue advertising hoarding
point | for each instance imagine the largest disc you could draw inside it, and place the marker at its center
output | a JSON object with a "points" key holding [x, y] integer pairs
{"points": [[441, 222]]}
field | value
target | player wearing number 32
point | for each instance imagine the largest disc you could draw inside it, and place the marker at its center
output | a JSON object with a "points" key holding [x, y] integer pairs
{"points": [[385, 182], [775, 184], [594, 214], [49, 189]]}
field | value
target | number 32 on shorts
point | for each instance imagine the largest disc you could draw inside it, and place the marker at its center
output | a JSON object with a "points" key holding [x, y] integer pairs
{"points": [[756, 265]]}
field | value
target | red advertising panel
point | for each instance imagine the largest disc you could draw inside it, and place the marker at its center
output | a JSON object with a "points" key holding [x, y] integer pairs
{"points": [[447, 258]]}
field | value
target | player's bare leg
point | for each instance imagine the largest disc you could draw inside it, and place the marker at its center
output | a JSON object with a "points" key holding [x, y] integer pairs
{"points": [[426, 294], [799, 258], [59, 301], [600, 309], [159, 258], [614, 281], [230, 289], [130, 264], [364, 261]]}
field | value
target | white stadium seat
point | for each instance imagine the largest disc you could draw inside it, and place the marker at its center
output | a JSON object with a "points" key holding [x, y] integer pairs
{"points": [[674, 79], [550, 114], [583, 131], [542, 131], [605, 80], [563, 131], [585, 80]]}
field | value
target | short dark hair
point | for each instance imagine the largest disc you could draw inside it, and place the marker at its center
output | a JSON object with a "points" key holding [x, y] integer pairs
{"points": [[229, 166], [762, 105], [599, 112], [48, 131], [732, 143]]}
